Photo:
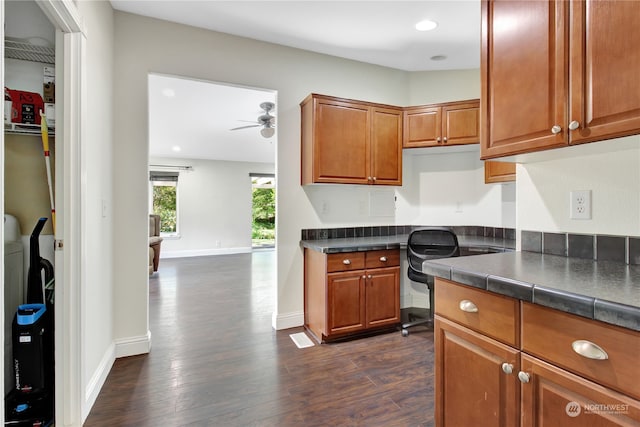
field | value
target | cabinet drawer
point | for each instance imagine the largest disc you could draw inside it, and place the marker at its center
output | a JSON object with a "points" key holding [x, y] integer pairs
{"points": [[495, 315], [384, 258], [550, 335], [346, 261]]}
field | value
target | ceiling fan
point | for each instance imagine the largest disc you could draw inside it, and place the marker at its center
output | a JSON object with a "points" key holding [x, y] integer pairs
{"points": [[266, 120]]}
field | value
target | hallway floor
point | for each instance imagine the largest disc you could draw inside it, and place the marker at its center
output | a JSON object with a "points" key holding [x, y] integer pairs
{"points": [[216, 361]]}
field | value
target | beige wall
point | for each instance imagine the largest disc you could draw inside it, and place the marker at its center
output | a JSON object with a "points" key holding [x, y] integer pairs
{"points": [[26, 192]]}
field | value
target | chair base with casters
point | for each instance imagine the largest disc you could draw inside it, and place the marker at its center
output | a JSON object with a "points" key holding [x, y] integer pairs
{"points": [[424, 244]]}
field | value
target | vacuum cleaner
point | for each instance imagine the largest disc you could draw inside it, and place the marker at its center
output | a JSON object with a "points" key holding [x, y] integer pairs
{"points": [[31, 402]]}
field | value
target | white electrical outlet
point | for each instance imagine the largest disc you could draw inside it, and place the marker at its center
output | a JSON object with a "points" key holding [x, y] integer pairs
{"points": [[580, 204]]}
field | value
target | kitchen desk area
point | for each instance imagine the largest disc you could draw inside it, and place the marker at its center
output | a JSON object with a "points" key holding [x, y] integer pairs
{"points": [[352, 284]]}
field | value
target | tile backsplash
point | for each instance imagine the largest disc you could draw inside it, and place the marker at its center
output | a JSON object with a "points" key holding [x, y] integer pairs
{"points": [[587, 246], [394, 230]]}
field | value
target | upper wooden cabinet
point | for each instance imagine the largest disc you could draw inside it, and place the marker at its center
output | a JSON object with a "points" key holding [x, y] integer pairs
{"points": [[558, 72], [350, 142], [499, 172], [452, 123]]}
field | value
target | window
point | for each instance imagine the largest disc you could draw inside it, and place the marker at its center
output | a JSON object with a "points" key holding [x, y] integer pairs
{"points": [[263, 225], [165, 200]]}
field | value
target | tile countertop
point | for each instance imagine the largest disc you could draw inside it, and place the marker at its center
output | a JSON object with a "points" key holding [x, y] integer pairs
{"points": [[602, 290], [399, 241]]}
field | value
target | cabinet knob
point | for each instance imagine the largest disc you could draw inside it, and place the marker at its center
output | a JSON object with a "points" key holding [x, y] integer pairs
{"points": [[589, 350], [383, 259], [364, 277], [346, 261], [556, 129], [574, 125], [523, 377], [374, 179], [368, 178], [369, 276], [507, 368], [438, 139], [467, 306], [445, 139]]}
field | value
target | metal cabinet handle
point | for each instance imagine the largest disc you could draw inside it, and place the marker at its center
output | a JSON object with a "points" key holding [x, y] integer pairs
{"points": [[556, 129], [368, 178], [364, 277], [438, 139], [346, 261], [507, 368], [369, 276], [589, 350], [468, 306], [523, 377], [383, 259], [374, 179], [574, 125], [444, 139]]}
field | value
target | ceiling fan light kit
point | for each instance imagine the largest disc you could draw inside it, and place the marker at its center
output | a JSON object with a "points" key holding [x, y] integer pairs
{"points": [[266, 120]]}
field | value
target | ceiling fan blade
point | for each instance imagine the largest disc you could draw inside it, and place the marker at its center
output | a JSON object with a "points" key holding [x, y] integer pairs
{"points": [[246, 127]]}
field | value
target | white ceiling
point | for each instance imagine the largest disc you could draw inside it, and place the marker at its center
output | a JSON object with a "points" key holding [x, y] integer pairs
{"points": [[376, 32], [201, 128]]}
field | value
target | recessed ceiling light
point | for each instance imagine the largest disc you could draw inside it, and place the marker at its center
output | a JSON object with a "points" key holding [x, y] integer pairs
{"points": [[176, 148], [438, 57], [169, 93], [426, 25]]}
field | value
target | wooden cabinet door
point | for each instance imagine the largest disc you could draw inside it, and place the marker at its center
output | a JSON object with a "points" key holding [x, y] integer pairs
{"points": [[386, 146], [383, 296], [523, 67], [341, 142], [471, 387], [422, 127], [461, 123], [556, 398], [345, 302], [605, 70], [499, 172]]}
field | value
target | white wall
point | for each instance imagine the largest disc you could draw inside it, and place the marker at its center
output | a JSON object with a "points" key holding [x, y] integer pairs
{"points": [[612, 176], [449, 189], [97, 270], [214, 207], [146, 45]]}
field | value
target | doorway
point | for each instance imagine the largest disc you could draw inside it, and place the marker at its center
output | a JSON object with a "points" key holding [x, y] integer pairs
{"points": [[263, 211]]}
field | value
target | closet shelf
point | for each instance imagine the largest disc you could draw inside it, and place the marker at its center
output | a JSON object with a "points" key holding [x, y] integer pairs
{"points": [[15, 48], [26, 129]]}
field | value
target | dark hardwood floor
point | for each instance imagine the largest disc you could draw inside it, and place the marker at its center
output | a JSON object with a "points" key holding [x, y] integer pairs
{"points": [[216, 361]]}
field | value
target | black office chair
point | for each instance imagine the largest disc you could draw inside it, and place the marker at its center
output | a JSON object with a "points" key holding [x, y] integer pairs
{"points": [[424, 244]]}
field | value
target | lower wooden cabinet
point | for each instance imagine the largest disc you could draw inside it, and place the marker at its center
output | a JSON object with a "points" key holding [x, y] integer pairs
{"points": [[351, 293], [554, 397], [471, 387], [538, 378]]}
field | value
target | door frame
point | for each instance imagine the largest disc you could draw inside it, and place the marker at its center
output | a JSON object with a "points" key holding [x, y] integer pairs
{"points": [[70, 106]]}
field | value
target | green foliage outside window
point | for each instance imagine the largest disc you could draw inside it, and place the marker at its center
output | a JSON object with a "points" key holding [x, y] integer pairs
{"points": [[164, 204], [263, 226]]}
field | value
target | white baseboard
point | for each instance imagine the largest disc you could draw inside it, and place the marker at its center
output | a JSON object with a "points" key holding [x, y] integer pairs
{"points": [[97, 380], [133, 345], [287, 320], [203, 252]]}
